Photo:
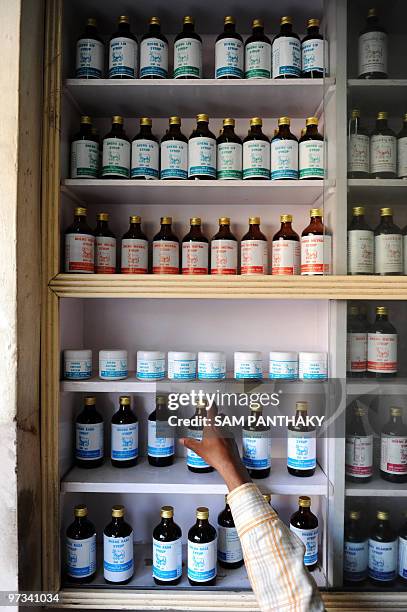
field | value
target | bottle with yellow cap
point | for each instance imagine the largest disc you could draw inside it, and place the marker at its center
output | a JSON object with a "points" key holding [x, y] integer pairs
{"points": [[229, 152], [388, 246], [89, 436], [90, 53], [402, 545], [257, 53], [85, 151], [316, 246], [402, 150], [160, 440], [229, 56], [123, 51], [311, 152], [124, 435], [116, 151], [166, 249], [195, 250], [313, 52], [301, 444], [230, 554], [382, 346], [254, 250], [105, 246], [188, 52], [167, 549], [305, 525], [154, 52], [256, 152], [202, 150], [174, 152], [224, 249], [256, 443], [118, 542], [202, 544], [284, 152], [356, 549], [134, 258], [195, 463], [383, 551], [358, 446], [360, 244], [358, 147], [145, 153], [286, 51], [80, 548], [285, 253], [373, 49], [383, 149], [356, 345], [393, 448], [79, 245]]}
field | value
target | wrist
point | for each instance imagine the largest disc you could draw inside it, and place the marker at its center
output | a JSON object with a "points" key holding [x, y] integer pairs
{"points": [[234, 476]]}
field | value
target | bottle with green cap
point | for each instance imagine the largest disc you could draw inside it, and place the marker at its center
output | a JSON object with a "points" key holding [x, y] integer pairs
{"points": [[285, 253], [313, 52], [360, 244], [124, 435], [373, 48], [229, 152], [305, 525], [154, 52], [356, 345], [229, 52], [301, 444], [393, 448], [195, 250], [188, 52], [256, 152], [402, 545], [388, 245], [202, 150], [284, 152], [356, 549], [80, 548], [224, 249], [85, 151], [160, 442], [145, 153], [382, 346], [311, 152], [358, 147], [286, 51], [89, 436], [118, 557], [257, 52], [134, 259], [90, 53], [174, 152], [383, 149], [383, 551], [202, 544], [256, 444], [79, 245], [116, 151], [402, 150], [167, 549], [230, 554], [123, 51], [358, 446], [105, 246]]}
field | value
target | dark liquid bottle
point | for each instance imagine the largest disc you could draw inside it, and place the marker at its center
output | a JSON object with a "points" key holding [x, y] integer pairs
{"points": [[229, 152], [224, 249], [124, 438], [301, 444], [166, 249], [267, 498], [134, 249], [356, 345], [202, 151], [382, 551], [382, 346], [118, 559], [402, 152], [373, 49], [286, 51], [358, 148], [359, 447], [167, 550], [284, 152], [194, 462], [161, 443], [312, 51], [256, 443], [80, 548], [254, 250], [356, 550], [257, 51], [90, 52], [174, 152], [286, 249], [315, 246], [154, 52], [145, 153], [202, 551], [311, 152], [105, 247], [188, 52], [85, 152], [123, 51], [116, 152], [360, 244], [383, 149], [89, 448], [402, 565], [388, 240], [256, 152], [79, 245], [305, 524], [229, 52], [393, 448], [195, 250], [230, 554]]}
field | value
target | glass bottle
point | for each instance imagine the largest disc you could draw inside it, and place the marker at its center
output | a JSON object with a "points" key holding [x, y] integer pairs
{"points": [[402, 150], [316, 245], [165, 249], [356, 549], [383, 149], [195, 250], [305, 525], [80, 548], [311, 152], [388, 245], [286, 51], [312, 52], [229, 152], [118, 560], [393, 448], [79, 245], [254, 250], [358, 148], [286, 251], [85, 152], [202, 540], [124, 435], [134, 258], [229, 52], [161, 442], [188, 52], [301, 444], [256, 152], [202, 151], [372, 49], [230, 554], [257, 51], [284, 152], [90, 53], [195, 463], [256, 444], [360, 244], [174, 152], [167, 549], [116, 152], [154, 52], [123, 51], [383, 553], [402, 546], [89, 436], [105, 246], [224, 249], [356, 345], [145, 152], [358, 447], [382, 346]]}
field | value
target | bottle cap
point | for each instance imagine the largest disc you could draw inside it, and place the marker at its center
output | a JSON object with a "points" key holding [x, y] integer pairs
{"points": [[256, 121], [229, 19], [254, 220], [354, 310], [224, 221], [90, 401], [80, 211], [202, 513], [286, 218], [372, 12], [315, 212], [358, 211], [382, 515], [118, 511], [304, 501], [166, 220], [188, 19], [91, 22], [135, 219], [313, 23], [195, 221], [284, 121], [80, 510], [154, 21], [360, 411], [355, 113], [286, 19], [117, 119], [124, 400], [382, 115], [382, 310], [202, 117], [396, 411], [86, 120], [145, 121], [311, 121], [386, 212], [102, 217], [161, 400], [123, 19], [167, 512], [257, 23], [301, 406], [229, 121], [354, 514], [267, 497], [174, 120]]}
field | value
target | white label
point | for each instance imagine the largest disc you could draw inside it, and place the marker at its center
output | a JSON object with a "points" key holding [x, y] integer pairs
{"points": [[283, 369], [359, 153], [167, 560], [113, 368], [229, 160], [285, 257], [256, 159], [159, 446], [194, 460], [301, 450], [254, 257], [224, 257], [313, 368], [355, 560], [356, 352], [256, 447], [313, 55], [309, 537], [286, 57], [315, 254], [182, 369], [123, 57], [389, 254], [229, 58], [372, 52], [151, 369], [402, 557], [195, 257], [89, 441], [75, 369], [383, 153], [118, 563], [134, 256], [212, 369], [153, 58], [359, 456], [116, 157], [188, 58], [311, 159], [124, 441], [144, 159], [80, 557], [202, 157], [248, 368], [284, 159], [382, 352], [165, 257], [84, 159], [89, 58], [402, 157], [80, 253], [174, 159], [105, 261], [229, 547], [201, 561], [383, 560], [360, 252], [258, 60], [393, 454]]}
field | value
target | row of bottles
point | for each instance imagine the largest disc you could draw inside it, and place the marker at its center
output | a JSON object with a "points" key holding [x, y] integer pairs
{"points": [[373, 53], [88, 251], [202, 156], [258, 58]]}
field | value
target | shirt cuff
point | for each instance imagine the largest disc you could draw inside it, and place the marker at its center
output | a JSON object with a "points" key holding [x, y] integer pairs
{"points": [[249, 508]]}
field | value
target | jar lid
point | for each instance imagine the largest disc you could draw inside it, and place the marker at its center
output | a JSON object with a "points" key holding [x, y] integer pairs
{"points": [[150, 355], [283, 355], [154, 21], [315, 212], [78, 354], [113, 354], [181, 355], [382, 310], [243, 355], [311, 355], [209, 355], [396, 411]]}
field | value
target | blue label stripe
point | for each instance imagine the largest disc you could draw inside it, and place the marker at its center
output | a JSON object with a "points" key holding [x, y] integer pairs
{"points": [[201, 576], [229, 71], [166, 574], [301, 464], [174, 173], [130, 454], [118, 567]]}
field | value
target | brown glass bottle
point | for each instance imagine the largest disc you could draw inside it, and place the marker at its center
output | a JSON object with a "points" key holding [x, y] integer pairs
{"points": [[90, 53], [256, 152], [118, 535], [358, 447], [383, 149], [257, 50], [356, 549], [105, 246], [305, 524], [267, 498], [124, 436], [373, 49], [188, 43], [229, 52], [286, 51], [360, 244], [356, 345], [85, 151], [301, 445], [195, 250], [116, 151], [224, 249], [358, 148], [312, 51], [202, 151], [315, 246], [166, 249], [122, 68], [311, 152], [167, 543], [256, 445], [89, 447], [161, 443], [154, 65], [402, 151], [382, 346], [284, 152], [229, 152], [80, 538], [174, 152], [134, 249], [145, 153], [382, 551], [254, 250], [286, 251], [230, 554], [202, 533], [388, 246], [79, 245], [393, 448], [195, 463]]}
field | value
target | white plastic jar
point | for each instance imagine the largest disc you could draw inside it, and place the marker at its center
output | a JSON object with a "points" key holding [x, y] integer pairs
{"points": [[181, 365], [313, 366], [113, 365], [211, 365], [283, 364], [150, 365], [248, 364], [77, 364]]}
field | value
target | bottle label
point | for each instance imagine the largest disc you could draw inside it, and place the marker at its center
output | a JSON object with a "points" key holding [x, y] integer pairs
{"points": [[182, 369], [224, 257], [123, 57], [152, 369], [258, 60], [75, 369], [313, 55], [201, 561], [359, 456], [113, 368], [382, 560], [195, 257], [157, 446], [174, 159], [81, 557], [256, 159], [382, 352], [89, 58], [309, 537], [214, 369], [383, 153], [301, 450], [285, 257], [372, 52], [194, 460], [124, 441], [80, 253], [359, 153], [402, 157], [355, 560], [165, 257], [360, 252], [312, 159], [134, 256], [286, 57], [118, 563], [167, 560], [154, 58], [89, 441], [105, 255], [116, 157], [283, 369], [389, 254], [254, 257], [315, 254], [284, 159], [144, 159], [402, 566], [188, 58], [84, 159], [202, 157], [229, 160], [229, 58], [256, 448], [393, 454], [249, 368], [356, 352], [229, 547]]}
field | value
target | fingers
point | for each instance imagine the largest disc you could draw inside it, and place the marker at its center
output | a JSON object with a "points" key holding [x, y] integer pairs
{"points": [[192, 444]]}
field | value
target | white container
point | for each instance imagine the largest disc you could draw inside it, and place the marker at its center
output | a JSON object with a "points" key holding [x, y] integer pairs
{"points": [[150, 365], [211, 365], [181, 365], [113, 365], [77, 364], [283, 365], [248, 364], [313, 366]]}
